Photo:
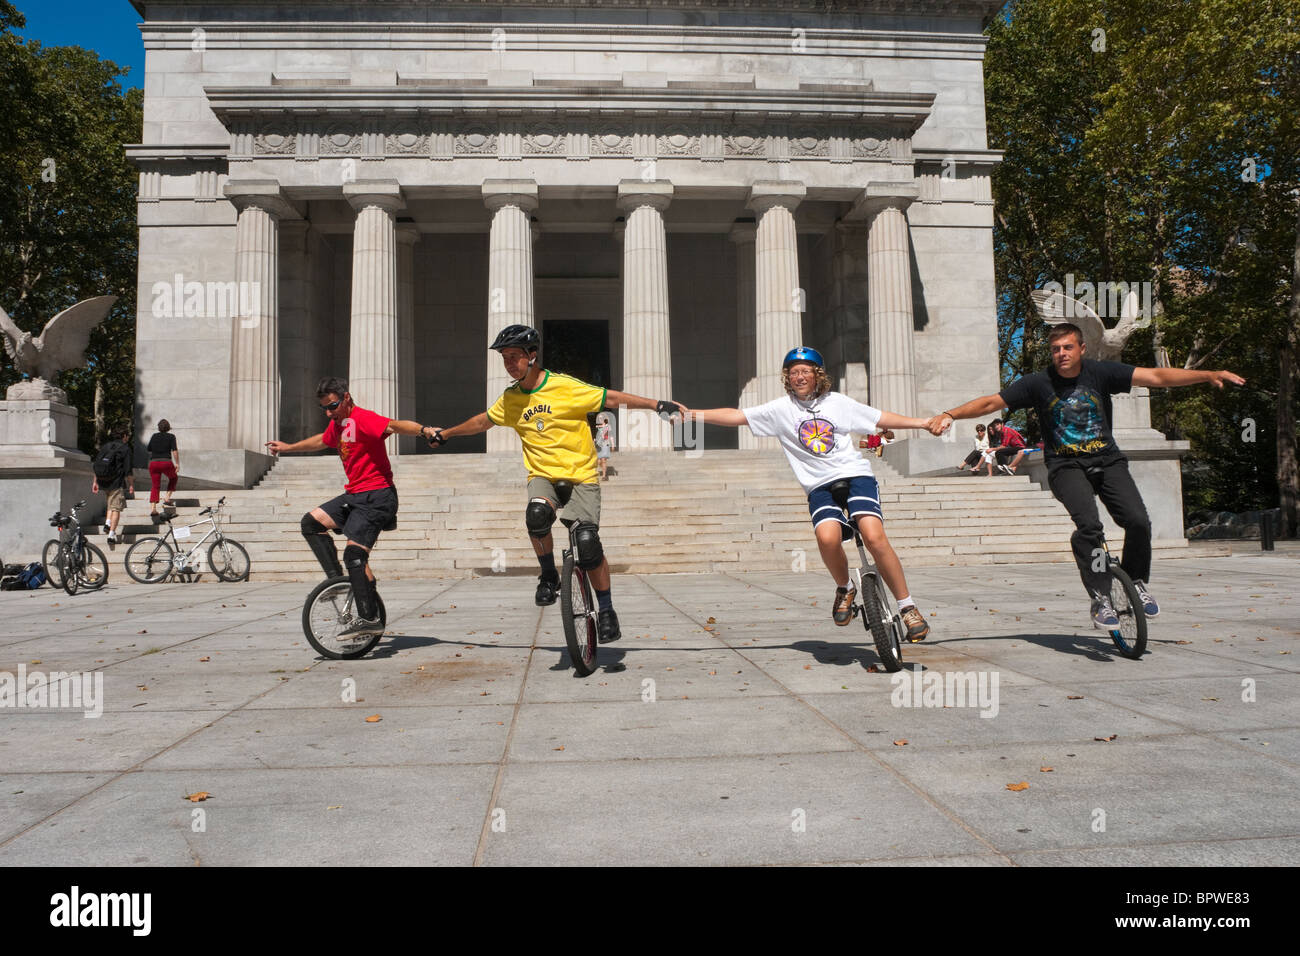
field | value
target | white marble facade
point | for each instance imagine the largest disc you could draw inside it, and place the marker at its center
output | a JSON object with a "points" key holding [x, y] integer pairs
{"points": [[707, 182]]}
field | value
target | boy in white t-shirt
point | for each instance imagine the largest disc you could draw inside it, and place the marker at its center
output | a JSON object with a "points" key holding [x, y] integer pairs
{"points": [[813, 425]]}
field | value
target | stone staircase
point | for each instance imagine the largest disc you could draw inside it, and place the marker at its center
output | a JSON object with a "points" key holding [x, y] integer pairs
{"points": [[462, 515]]}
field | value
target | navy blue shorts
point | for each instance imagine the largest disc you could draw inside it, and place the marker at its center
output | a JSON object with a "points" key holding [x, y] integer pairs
{"points": [[864, 499]]}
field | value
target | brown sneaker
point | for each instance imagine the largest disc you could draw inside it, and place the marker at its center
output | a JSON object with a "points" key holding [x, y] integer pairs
{"points": [[917, 629], [843, 612]]}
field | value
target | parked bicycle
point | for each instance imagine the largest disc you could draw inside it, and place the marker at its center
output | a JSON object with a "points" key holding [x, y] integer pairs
{"points": [[78, 563], [155, 558]]}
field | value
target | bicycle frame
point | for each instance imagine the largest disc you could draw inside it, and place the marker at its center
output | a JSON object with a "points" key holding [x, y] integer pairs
{"points": [[184, 559]]}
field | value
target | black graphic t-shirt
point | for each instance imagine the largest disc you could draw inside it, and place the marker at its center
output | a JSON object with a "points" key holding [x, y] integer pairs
{"points": [[1074, 414]]}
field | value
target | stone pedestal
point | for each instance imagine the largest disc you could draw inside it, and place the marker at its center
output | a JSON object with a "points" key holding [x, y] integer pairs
{"points": [[41, 472]]}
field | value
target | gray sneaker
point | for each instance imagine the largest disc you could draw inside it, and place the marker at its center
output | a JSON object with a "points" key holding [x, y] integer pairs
{"points": [[1149, 606], [1103, 615], [361, 627]]}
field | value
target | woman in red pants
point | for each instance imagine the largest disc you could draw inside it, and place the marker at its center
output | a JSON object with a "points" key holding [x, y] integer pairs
{"points": [[164, 459]]}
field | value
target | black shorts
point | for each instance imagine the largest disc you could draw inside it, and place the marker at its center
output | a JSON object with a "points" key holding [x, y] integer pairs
{"points": [[362, 516]]}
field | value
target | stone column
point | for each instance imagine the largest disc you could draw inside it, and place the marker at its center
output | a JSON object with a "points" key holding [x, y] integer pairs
{"points": [[647, 344], [743, 235], [407, 237], [778, 296], [372, 343], [890, 371], [254, 407], [510, 283]]}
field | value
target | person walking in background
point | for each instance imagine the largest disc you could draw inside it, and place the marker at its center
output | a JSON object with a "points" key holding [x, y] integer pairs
{"points": [[112, 468], [604, 444], [164, 461]]}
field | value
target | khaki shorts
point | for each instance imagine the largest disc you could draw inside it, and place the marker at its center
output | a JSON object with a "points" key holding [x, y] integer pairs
{"points": [[584, 503], [116, 499]]}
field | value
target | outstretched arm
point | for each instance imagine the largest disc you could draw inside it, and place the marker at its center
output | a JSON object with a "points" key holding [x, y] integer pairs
{"points": [[975, 408], [615, 399], [471, 426], [1172, 377], [314, 443], [889, 421], [721, 416]]}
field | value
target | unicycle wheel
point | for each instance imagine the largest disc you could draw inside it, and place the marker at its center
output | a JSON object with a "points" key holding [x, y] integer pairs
{"points": [[885, 634], [578, 610], [328, 611], [1131, 636]]}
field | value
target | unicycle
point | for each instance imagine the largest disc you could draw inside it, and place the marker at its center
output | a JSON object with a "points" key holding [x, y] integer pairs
{"points": [[577, 600], [329, 610], [1131, 636], [879, 611]]}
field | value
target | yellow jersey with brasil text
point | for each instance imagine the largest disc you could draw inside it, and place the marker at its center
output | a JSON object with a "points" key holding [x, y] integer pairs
{"points": [[552, 424]]}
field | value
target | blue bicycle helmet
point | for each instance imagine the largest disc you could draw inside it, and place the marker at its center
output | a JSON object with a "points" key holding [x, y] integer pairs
{"points": [[803, 354]]}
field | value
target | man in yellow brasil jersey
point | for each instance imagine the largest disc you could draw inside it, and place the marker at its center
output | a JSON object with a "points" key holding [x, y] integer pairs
{"points": [[549, 411]]}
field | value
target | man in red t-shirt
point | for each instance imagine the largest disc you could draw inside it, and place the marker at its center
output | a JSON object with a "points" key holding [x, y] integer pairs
{"points": [[1004, 442], [368, 504]]}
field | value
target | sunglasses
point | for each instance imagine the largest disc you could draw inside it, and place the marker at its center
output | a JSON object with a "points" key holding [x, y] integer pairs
{"points": [[331, 406]]}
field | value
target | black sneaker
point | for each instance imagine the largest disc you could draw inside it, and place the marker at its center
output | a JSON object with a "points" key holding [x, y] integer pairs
{"points": [[547, 590], [607, 627]]}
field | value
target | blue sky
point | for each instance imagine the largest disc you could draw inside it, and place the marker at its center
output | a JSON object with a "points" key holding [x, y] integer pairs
{"points": [[106, 26]]}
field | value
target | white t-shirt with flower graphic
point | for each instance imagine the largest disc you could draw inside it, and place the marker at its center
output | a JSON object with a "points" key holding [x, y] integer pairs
{"points": [[816, 435]]}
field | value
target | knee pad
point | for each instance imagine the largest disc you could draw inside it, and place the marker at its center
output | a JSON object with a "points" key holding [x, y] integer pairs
{"points": [[355, 556], [311, 526], [539, 517], [590, 552]]}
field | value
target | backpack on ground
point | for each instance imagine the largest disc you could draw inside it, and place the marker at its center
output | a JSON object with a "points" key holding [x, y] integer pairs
{"points": [[29, 579]]}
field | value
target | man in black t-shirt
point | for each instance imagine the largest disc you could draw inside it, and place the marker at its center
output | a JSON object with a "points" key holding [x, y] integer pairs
{"points": [[1072, 399]]}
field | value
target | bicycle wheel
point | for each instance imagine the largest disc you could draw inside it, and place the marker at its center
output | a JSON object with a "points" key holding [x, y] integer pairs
{"points": [[149, 560], [50, 561], [885, 635], [328, 610], [94, 568], [579, 615], [1131, 635], [228, 560], [68, 568]]}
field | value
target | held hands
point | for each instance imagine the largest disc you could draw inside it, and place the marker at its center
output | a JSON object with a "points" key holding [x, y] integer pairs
{"points": [[670, 408], [939, 424], [433, 435]]}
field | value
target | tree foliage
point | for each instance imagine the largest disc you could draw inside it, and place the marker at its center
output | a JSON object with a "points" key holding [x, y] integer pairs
{"points": [[67, 208], [1158, 142]]}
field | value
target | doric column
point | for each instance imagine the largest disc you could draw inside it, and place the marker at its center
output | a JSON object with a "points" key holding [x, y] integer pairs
{"points": [[778, 296], [647, 344], [372, 344], [254, 408], [407, 237], [743, 235], [891, 375], [510, 282]]}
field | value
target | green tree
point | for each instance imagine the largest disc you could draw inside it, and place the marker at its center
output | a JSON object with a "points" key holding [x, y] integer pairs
{"points": [[1158, 141], [67, 210]]}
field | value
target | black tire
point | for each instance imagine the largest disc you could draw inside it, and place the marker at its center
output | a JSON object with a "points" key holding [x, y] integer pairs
{"points": [[328, 610], [68, 568], [50, 561], [149, 560], [579, 617], [228, 560], [1131, 636], [94, 568], [889, 646]]}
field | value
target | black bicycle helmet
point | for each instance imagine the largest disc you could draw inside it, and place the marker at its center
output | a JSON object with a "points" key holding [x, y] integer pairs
{"points": [[517, 337]]}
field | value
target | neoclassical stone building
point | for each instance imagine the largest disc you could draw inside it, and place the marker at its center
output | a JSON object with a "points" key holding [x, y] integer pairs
{"points": [[674, 193]]}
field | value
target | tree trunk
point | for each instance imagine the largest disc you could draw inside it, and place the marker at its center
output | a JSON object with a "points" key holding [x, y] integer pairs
{"points": [[100, 425], [1288, 473]]}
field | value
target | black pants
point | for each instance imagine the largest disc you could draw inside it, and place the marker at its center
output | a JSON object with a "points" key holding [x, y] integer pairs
{"points": [[1077, 486], [973, 458]]}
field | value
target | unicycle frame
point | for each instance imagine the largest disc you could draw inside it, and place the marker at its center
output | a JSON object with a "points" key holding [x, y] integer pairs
{"points": [[1131, 645], [576, 598]]}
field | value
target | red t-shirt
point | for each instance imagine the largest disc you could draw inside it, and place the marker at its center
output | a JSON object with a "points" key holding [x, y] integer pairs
{"points": [[1011, 438], [360, 441]]}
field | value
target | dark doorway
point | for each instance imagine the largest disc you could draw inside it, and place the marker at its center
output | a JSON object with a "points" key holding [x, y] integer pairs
{"points": [[577, 347]]}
